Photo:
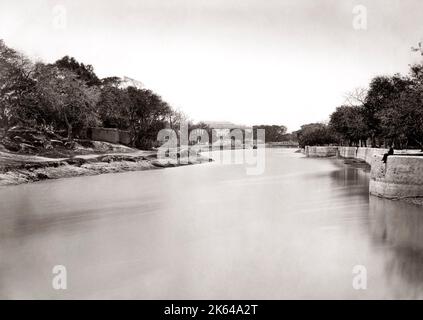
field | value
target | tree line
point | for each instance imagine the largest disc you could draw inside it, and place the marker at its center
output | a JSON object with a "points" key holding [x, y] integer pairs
{"points": [[388, 113], [68, 97]]}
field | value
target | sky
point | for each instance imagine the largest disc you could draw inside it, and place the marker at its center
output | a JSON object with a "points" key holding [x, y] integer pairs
{"points": [[285, 62]]}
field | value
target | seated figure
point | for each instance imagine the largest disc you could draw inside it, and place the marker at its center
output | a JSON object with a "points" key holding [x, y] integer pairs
{"points": [[390, 153]]}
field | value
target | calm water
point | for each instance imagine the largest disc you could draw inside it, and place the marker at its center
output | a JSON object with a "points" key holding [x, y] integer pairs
{"points": [[211, 231]]}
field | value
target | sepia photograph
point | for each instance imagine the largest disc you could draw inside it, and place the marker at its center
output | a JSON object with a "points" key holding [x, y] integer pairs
{"points": [[227, 152]]}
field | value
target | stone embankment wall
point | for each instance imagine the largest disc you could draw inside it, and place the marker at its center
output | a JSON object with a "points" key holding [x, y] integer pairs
{"points": [[400, 177], [320, 152], [365, 154], [110, 135]]}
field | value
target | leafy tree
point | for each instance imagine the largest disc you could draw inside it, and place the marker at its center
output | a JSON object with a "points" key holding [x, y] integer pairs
{"points": [[315, 134], [382, 91], [348, 122], [147, 114], [68, 98], [274, 133], [111, 81], [112, 107], [84, 72], [402, 119], [414, 118], [16, 87]]}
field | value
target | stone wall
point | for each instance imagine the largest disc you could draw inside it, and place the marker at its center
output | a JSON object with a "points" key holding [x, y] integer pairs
{"points": [[347, 152], [400, 177], [365, 154], [320, 152], [110, 135]]}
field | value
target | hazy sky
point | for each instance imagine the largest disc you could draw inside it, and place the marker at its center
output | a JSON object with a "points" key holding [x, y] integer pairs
{"points": [[246, 61]]}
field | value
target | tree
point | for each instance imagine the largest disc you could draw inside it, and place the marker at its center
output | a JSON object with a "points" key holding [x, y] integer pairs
{"points": [[382, 91], [16, 87], [414, 119], [112, 107], [315, 134], [68, 98], [402, 119], [84, 72], [177, 118], [274, 133], [147, 114], [111, 81], [348, 122], [68, 95], [356, 97]]}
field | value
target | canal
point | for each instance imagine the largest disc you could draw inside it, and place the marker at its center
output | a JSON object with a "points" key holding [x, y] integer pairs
{"points": [[211, 231]]}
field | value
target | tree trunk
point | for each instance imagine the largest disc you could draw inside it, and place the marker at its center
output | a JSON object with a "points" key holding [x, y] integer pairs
{"points": [[69, 132], [134, 135], [69, 126], [5, 131], [373, 141]]}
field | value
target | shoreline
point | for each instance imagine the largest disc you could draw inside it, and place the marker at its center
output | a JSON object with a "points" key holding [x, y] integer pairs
{"points": [[361, 164], [401, 183], [41, 168]]}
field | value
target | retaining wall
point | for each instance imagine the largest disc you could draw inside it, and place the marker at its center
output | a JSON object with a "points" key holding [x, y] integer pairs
{"points": [[399, 177], [365, 154], [320, 152], [110, 135]]}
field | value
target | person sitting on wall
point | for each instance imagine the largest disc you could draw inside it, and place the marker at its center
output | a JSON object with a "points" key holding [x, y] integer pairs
{"points": [[390, 153]]}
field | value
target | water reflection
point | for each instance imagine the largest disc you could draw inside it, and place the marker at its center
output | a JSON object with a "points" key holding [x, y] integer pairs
{"points": [[399, 227]]}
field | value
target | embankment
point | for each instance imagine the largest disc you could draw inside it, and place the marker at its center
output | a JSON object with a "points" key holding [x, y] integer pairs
{"points": [[320, 152], [18, 169], [401, 177]]}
